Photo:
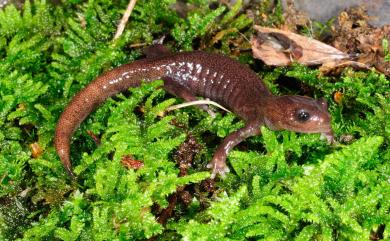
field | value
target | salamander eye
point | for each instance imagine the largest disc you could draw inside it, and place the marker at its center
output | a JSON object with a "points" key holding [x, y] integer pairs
{"points": [[303, 115]]}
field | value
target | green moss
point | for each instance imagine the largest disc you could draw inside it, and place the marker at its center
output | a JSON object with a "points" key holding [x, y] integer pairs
{"points": [[196, 25], [282, 185], [322, 201]]}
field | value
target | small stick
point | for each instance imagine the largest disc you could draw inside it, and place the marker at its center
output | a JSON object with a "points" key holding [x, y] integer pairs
{"points": [[124, 19], [197, 102], [138, 45], [2, 178]]}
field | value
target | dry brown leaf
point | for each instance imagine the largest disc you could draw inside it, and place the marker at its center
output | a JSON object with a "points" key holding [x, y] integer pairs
{"points": [[354, 35], [270, 47], [293, 18], [131, 163], [336, 67], [338, 97], [36, 150], [94, 137]]}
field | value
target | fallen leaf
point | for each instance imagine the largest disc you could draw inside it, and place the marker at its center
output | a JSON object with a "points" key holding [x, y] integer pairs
{"points": [[129, 162], [294, 18], [353, 34], [337, 67], [338, 97], [36, 150], [280, 48], [94, 137]]}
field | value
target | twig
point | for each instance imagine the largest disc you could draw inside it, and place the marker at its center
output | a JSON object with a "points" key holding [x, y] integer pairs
{"points": [[2, 178], [124, 19], [138, 45], [197, 102]]}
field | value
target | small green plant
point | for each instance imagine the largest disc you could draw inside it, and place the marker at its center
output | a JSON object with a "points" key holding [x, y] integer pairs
{"points": [[273, 10], [318, 29], [315, 201]]}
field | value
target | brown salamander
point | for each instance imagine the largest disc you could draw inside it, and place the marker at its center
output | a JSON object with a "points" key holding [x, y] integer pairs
{"points": [[191, 74]]}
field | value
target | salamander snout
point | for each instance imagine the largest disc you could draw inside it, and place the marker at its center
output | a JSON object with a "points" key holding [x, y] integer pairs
{"points": [[300, 114]]}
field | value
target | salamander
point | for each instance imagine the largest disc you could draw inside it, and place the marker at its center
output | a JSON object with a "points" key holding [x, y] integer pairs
{"points": [[190, 75]]}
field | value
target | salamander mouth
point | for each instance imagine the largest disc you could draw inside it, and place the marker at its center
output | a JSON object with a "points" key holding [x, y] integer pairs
{"points": [[326, 133], [320, 129], [319, 125], [316, 125]]}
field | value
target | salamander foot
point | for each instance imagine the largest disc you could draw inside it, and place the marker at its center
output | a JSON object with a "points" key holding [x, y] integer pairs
{"points": [[218, 167]]}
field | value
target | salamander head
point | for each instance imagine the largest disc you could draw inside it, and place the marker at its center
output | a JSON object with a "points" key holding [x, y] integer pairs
{"points": [[298, 113]]}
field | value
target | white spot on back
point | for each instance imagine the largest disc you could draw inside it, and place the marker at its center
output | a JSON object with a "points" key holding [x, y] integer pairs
{"points": [[198, 68], [190, 66]]}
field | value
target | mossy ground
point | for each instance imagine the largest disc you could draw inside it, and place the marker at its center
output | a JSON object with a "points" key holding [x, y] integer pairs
{"points": [[283, 185]]}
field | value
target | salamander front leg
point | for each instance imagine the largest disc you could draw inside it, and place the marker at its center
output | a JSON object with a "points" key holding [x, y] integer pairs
{"points": [[218, 163]]}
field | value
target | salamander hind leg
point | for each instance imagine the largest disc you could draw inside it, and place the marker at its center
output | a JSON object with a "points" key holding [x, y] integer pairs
{"points": [[218, 163]]}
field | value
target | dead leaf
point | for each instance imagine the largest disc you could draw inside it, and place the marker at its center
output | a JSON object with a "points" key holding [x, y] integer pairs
{"points": [[294, 18], [94, 137], [338, 97], [336, 67], [36, 150], [354, 35], [279, 48], [130, 162]]}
